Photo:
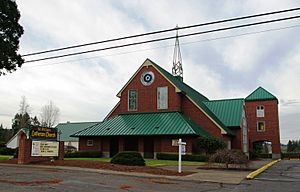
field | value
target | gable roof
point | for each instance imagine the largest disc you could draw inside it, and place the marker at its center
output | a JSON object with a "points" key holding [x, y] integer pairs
{"points": [[229, 111], [260, 94], [191, 94], [144, 124], [67, 129]]}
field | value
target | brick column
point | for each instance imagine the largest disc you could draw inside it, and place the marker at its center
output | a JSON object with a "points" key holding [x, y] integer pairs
{"points": [[24, 149], [141, 146]]}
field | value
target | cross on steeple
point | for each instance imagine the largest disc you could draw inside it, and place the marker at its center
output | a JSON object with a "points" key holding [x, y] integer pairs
{"points": [[177, 60]]}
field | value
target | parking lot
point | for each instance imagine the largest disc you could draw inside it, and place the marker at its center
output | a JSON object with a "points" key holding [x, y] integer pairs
{"points": [[283, 176]]}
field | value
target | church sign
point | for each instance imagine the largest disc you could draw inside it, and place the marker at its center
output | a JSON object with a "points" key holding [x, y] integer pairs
{"points": [[44, 148], [43, 133]]}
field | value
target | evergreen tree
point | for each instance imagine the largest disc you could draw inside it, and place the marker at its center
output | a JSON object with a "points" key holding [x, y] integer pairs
{"points": [[21, 121], [289, 146], [10, 32], [35, 121]]}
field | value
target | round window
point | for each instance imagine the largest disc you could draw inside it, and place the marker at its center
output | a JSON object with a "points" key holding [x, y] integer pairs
{"points": [[147, 78]]}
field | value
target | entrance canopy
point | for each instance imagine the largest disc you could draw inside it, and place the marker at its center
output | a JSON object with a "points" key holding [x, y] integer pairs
{"points": [[144, 124]]}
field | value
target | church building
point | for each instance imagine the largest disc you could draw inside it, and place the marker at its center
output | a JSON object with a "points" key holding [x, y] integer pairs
{"points": [[156, 108]]}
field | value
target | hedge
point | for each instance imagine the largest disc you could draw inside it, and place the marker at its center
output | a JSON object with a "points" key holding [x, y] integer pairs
{"points": [[128, 158], [78, 154], [7, 151], [167, 156], [290, 155]]}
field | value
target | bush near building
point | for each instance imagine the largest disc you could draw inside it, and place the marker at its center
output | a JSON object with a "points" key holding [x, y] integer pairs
{"points": [[227, 157], [78, 154], [7, 151], [167, 156], [208, 145], [128, 158]]}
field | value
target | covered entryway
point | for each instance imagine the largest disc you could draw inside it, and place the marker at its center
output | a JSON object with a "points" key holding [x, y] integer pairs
{"points": [[262, 149], [148, 147], [114, 146], [131, 144]]}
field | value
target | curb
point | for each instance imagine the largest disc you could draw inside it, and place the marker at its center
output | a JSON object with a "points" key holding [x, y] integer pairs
{"points": [[253, 174]]}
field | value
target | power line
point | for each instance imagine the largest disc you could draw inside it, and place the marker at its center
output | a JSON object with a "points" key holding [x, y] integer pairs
{"points": [[164, 39], [170, 45], [164, 31]]}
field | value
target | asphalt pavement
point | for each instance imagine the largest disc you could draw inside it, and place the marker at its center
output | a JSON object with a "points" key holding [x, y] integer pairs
{"points": [[283, 176]]}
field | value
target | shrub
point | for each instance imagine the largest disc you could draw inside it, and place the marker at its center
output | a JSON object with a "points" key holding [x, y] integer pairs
{"points": [[7, 151], [290, 155], [128, 158], [78, 154], [229, 157], [208, 145], [166, 156]]}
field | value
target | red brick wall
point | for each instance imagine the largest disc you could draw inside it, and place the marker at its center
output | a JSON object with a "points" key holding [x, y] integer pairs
{"points": [[164, 144], [236, 142], [147, 95], [193, 112], [271, 123], [96, 144]]}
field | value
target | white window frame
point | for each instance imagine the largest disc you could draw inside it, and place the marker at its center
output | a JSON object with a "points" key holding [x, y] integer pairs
{"points": [[162, 103], [90, 142], [257, 126], [136, 100], [260, 111]]}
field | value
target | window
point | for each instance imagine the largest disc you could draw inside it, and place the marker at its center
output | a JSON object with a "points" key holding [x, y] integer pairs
{"points": [[132, 100], [261, 126], [162, 97], [260, 111], [89, 142]]}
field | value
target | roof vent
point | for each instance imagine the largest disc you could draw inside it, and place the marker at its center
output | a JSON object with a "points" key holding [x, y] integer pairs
{"points": [[132, 128], [107, 129], [156, 127]]}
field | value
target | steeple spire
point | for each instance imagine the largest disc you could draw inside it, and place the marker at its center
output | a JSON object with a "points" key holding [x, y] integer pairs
{"points": [[177, 60]]}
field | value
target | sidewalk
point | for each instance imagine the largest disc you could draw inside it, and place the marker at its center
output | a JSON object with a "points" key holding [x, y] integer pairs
{"points": [[201, 175]]}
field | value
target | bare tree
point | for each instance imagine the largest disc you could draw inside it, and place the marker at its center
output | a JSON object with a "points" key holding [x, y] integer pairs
{"points": [[49, 114], [22, 119], [24, 106]]}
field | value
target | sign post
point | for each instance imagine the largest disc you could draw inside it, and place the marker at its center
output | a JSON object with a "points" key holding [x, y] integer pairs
{"points": [[181, 151]]}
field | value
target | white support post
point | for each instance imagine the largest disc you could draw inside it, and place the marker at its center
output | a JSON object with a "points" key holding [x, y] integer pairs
{"points": [[181, 151]]}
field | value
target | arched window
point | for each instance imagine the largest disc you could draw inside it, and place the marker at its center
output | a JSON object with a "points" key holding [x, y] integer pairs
{"points": [[260, 111]]}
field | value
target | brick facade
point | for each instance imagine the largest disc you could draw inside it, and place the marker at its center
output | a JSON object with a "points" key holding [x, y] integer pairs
{"points": [[270, 119], [179, 101]]}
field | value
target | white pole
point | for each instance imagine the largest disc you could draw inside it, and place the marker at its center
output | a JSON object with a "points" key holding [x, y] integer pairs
{"points": [[179, 155]]}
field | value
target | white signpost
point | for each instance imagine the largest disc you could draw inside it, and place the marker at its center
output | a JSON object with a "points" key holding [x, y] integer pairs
{"points": [[181, 151]]}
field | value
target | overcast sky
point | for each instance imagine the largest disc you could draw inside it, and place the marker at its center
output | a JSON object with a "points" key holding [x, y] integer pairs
{"points": [[219, 65]]}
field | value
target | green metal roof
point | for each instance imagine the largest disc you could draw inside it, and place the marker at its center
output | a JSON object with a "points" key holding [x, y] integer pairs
{"points": [[229, 111], [161, 123], [198, 98], [68, 129], [260, 94]]}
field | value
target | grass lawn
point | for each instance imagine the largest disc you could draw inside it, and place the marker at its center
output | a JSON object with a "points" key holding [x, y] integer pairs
{"points": [[5, 157], [149, 162], [90, 159]]}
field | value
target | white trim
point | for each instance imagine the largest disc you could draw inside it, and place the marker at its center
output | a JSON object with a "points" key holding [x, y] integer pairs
{"points": [[257, 126], [113, 109], [148, 63], [222, 130]]}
